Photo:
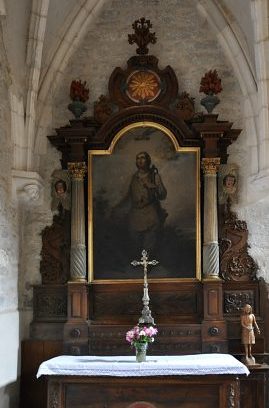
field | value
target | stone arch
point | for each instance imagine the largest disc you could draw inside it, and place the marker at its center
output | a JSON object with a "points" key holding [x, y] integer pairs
{"points": [[2, 8], [239, 61], [260, 14], [82, 16]]}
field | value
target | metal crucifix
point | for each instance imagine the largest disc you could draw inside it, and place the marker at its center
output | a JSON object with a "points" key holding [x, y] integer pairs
{"points": [[146, 317]]}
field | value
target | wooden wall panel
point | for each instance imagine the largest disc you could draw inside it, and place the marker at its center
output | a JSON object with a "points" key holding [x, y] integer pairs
{"points": [[122, 303], [33, 352]]}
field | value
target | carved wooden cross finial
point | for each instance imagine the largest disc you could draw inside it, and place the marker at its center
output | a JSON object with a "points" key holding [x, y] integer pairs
{"points": [[142, 36]]}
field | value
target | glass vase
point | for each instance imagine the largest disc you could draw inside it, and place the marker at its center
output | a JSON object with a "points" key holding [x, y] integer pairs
{"points": [[141, 352]]}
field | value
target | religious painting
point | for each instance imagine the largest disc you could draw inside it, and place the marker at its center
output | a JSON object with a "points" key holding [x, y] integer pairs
{"points": [[144, 194]]}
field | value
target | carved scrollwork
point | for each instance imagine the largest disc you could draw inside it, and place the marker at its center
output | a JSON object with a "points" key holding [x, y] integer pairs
{"points": [[185, 106], [55, 253], [50, 305], [234, 224], [231, 397], [235, 262], [54, 395], [238, 266], [75, 333], [103, 109], [235, 300]]}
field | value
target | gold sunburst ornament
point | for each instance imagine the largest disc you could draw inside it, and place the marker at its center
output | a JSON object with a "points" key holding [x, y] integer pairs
{"points": [[143, 86]]}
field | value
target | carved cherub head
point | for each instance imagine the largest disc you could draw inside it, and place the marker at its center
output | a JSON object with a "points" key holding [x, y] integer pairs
{"points": [[60, 190], [229, 183]]}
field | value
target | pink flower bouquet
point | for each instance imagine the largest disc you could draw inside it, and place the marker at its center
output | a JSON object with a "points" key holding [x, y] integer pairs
{"points": [[140, 334]]}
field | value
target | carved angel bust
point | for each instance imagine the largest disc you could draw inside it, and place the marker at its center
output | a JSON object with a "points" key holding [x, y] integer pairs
{"points": [[228, 184], [60, 191]]}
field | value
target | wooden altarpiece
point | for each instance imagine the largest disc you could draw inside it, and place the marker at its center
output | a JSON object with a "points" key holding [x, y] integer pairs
{"points": [[200, 313]]}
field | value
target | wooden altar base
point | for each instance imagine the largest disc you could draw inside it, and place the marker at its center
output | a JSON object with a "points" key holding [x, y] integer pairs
{"points": [[207, 391]]}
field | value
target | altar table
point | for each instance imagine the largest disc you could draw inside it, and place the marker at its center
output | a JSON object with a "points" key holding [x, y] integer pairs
{"points": [[204, 381]]}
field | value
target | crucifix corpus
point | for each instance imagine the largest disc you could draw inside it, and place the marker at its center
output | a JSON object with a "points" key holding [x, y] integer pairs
{"points": [[146, 317]]}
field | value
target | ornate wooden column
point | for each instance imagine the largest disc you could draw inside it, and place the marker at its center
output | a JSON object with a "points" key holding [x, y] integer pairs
{"points": [[216, 136], [76, 328], [210, 244], [73, 142], [78, 248], [213, 327]]}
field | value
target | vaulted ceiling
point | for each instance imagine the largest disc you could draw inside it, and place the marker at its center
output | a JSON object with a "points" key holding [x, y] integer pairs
{"points": [[41, 36]]}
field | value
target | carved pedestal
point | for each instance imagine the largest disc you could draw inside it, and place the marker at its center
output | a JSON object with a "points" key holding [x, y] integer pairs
{"points": [[50, 312], [76, 328], [214, 333]]}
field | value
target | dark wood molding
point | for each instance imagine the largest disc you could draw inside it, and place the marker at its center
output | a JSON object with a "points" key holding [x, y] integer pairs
{"points": [[73, 140], [216, 135]]}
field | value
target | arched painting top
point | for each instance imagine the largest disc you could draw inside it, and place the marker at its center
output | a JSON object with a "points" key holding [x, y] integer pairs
{"points": [[144, 193]]}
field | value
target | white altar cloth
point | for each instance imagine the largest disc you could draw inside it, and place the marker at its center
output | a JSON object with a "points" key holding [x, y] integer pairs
{"points": [[126, 366]]}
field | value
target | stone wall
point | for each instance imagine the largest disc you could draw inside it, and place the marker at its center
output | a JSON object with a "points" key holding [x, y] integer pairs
{"points": [[35, 217], [257, 216], [184, 41], [187, 43], [9, 253]]}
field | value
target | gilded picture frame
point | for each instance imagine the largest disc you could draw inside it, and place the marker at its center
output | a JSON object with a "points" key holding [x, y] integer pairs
{"points": [[155, 207]]}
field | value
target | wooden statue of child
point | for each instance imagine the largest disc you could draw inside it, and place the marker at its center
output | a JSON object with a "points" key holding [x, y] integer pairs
{"points": [[248, 323]]}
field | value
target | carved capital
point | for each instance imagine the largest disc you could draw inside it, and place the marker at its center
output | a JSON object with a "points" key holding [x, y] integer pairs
{"points": [[77, 170], [27, 187], [210, 165]]}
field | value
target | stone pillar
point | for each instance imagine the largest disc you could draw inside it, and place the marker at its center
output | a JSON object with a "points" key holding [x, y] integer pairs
{"points": [[210, 244], [78, 248]]}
